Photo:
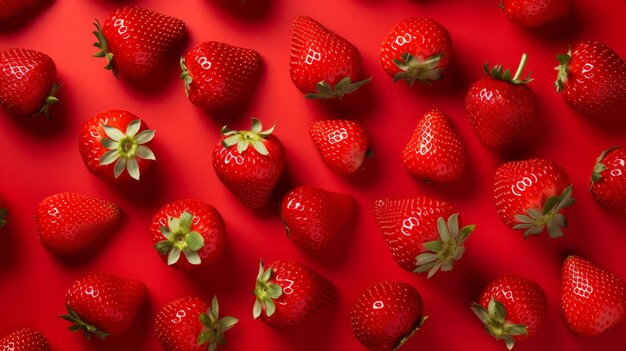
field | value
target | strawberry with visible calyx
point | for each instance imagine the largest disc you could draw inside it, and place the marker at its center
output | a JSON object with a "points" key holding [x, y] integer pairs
{"points": [[323, 65], [592, 299], [531, 194], [608, 181], [24, 340], [536, 12], [435, 152], [103, 304], [249, 163], [422, 233], [501, 107], [191, 227], [288, 293], [190, 324], [511, 308], [343, 144], [416, 50], [135, 41]]}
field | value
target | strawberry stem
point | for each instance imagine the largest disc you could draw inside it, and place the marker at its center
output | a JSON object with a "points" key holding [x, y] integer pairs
{"points": [[494, 319], [418, 69], [265, 292], [244, 138], [549, 218], [599, 167], [214, 327], [103, 46], [418, 325], [562, 69], [497, 73], [343, 87], [180, 238], [79, 324], [125, 147]]}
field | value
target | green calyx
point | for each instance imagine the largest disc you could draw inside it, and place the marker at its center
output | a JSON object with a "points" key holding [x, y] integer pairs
{"points": [[185, 76], [496, 325], [214, 327], [79, 324], [550, 217], [180, 238], [600, 167], [125, 147], [3, 217], [244, 138], [418, 326], [442, 253], [266, 292], [497, 73], [562, 69], [50, 100], [343, 87], [418, 69], [103, 46]]}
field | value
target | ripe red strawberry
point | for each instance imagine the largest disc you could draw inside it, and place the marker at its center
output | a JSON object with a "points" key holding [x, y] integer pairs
{"points": [[190, 324], [343, 144], [592, 78], [191, 227], [386, 315], [250, 173], [69, 223], [422, 233], [531, 194], [103, 304], [9, 9], [416, 49], [323, 65], [592, 299], [4, 213], [313, 217], [288, 292], [28, 82], [115, 141], [501, 107], [608, 181], [536, 12], [435, 152], [24, 340], [135, 41], [218, 75], [512, 308]]}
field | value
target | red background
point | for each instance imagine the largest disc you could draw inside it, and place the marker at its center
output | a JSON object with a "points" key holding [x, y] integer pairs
{"points": [[39, 161]]}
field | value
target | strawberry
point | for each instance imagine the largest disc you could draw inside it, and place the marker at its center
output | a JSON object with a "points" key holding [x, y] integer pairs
{"points": [[24, 340], [416, 49], [9, 9], [323, 65], [190, 324], [343, 144], [192, 227], [28, 82], [511, 308], [531, 194], [422, 233], [113, 141], [68, 223], [435, 152], [103, 304], [536, 12], [4, 213], [386, 315], [592, 78], [608, 181], [135, 41], [288, 293], [218, 74], [313, 217], [592, 299], [250, 173], [501, 108]]}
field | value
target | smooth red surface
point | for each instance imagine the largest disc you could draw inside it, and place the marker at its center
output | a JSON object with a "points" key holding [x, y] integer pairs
{"points": [[36, 162]]}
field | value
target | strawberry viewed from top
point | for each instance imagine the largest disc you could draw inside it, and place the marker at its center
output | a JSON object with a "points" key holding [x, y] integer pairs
{"points": [[323, 65], [10, 9], [531, 194], [24, 340], [134, 41], [512, 308], [386, 315], [416, 50], [422, 233], [103, 304], [501, 107], [218, 75], [190, 324], [288, 293], [28, 82], [114, 145], [192, 228], [343, 144], [608, 181], [534, 13], [592, 299], [69, 223], [435, 152], [249, 163]]}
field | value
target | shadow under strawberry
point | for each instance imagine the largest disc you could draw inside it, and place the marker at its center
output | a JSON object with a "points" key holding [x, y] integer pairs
{"points": [[41, 126], [566, 28], [612, 122], [248, 10], [10, 247], [369, 173], [361, 103], [532, 140], [453, 81], [22, 19]]}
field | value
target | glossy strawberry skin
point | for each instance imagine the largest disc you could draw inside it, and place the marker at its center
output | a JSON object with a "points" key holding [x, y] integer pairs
{"points": [[70, 223], [177, 324], [24, 340], [592, 299], [537, 12], [386, 313], [10, 9], [610, 189], [435, 152], [342, 144]]}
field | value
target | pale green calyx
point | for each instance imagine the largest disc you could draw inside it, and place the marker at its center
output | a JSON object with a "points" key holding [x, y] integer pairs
{"points": [[562, 69], [125, 147], [244, 138], [550, 218], [418, 69], [343, 87], [266, 292], [214, 327], [600, 167], [179, 238], [494, 319], [185, 75]]}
